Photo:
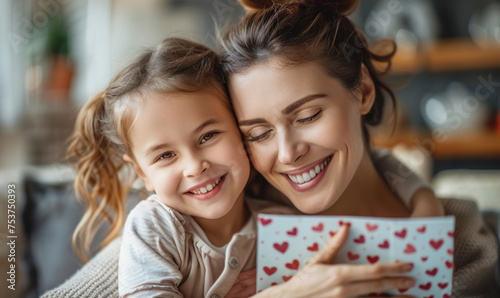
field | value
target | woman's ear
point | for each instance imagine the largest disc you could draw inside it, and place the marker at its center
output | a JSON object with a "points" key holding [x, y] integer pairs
{"points": [[140, 173], [367, 89]]}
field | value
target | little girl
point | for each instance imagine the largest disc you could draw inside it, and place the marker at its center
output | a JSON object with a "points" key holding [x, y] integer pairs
{"points": [[168, 116]]}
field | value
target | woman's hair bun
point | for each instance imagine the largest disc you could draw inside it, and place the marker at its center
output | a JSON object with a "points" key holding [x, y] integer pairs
{"points": [[343, 7]]}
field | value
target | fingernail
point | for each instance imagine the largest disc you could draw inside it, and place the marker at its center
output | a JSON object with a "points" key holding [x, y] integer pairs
{"points": [[408, 283], [408, 267]]}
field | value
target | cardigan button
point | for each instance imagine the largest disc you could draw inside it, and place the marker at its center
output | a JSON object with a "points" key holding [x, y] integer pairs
{"points": [[233, 262]]}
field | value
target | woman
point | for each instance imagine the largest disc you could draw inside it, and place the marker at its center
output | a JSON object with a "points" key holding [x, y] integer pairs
{"points": [[305, 91]]}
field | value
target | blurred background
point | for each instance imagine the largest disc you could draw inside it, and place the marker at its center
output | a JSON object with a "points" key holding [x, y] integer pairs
{"points": [[55, 54]]}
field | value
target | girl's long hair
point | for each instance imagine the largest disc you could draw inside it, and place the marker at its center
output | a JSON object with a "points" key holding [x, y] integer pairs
{"points": [[100, 137]]}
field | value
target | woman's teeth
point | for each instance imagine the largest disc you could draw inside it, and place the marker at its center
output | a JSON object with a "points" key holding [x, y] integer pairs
{"points": [[308, 175], [206, 188]]}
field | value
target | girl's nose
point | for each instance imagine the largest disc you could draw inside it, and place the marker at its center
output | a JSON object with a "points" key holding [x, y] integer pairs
{"points": [[290, 147], [195, 165]]}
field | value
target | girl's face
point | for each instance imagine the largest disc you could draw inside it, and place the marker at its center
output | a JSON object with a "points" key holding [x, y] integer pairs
{"points": [[188, 150], [303, 129]]}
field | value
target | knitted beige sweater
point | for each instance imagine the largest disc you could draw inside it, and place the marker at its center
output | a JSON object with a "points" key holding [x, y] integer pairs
{"points": [[476, 261]]}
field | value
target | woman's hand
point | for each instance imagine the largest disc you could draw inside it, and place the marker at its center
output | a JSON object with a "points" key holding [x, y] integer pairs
{"points": [[245, 285], [319, 278]]}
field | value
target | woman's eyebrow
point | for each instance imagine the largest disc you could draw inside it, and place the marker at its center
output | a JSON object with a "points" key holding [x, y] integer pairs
{"points": [[251, 122], [295, 105]]}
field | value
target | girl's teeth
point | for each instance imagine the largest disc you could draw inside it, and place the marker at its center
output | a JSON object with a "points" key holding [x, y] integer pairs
{"points": [[309, 175], [206, 188]]}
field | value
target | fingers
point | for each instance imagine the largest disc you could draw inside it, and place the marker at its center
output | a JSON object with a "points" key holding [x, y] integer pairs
{"points": [[353, 273], [379, 285], [245, 285], [332, 246], [247, 275]]}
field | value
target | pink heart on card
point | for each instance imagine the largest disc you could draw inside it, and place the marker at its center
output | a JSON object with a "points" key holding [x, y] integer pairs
{"points": [[341, 223], [421, 229], [360, 239], [270, 271], [313, 247], [451, 234], [294, 265], [450, 251], [424, 259], [448, 264], [351, 256], [372, 259], [264, 221], [286, 278], [281, 247], [409, 249], [292, 232], [425, 287], [442, 285], [400, 234], [318, 228], [432, 272], [384, 244], [436, 244], [371, 228]]}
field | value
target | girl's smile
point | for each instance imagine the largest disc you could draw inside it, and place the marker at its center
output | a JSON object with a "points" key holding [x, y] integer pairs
{"points": [[206, 190]]}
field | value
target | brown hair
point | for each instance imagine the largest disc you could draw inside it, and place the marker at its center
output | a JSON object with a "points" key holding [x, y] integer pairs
{"points": [[304, 31], [101, 138]]}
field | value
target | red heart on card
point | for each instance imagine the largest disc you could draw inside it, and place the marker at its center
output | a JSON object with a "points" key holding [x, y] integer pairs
{"points": [[318, 228], [332, 233], [422, 229], [371, 228], [294, 265], [401, 234], [351, 256], [384, 244], [274, 284], [286, 278], [281, 247], [436, 244], [313, 247], [425, 287], [432, 272], [409, 249], [424, 259], [446, 296], [403, 290], [264, 221], [270, 271], [451, 234], [449, 264], [372, 259], [292, 232], [450, 251], [341, 223], [431, 296], [442, 285], [360, 239]]}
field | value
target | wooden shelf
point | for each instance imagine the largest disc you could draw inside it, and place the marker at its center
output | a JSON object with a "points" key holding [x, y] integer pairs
{"points": [[482, 144], [446, 55]]}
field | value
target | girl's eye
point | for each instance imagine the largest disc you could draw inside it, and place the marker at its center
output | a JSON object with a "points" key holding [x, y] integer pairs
{"points": [[311, 118], [166, 156], [208, 136], [260, 137]]}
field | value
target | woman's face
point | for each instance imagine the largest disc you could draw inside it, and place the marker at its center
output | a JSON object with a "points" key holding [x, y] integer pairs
{"points": [[303, 130]]}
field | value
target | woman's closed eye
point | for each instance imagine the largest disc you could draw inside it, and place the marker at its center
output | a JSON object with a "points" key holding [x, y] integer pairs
{"points": [[258, 134], [310, 118]]}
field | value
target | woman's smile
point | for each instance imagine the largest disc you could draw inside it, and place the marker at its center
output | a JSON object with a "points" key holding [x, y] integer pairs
{"points": [[308, 177]]}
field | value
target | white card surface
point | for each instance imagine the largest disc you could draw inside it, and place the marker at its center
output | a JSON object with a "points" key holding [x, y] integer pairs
{"points": [[287, 242]]}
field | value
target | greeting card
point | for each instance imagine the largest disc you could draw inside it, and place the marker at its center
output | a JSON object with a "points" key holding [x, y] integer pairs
{"points": [[287, 242]]}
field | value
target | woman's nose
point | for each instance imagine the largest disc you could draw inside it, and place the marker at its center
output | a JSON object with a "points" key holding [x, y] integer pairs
{"points": [[290, 147], [195, 165]]}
